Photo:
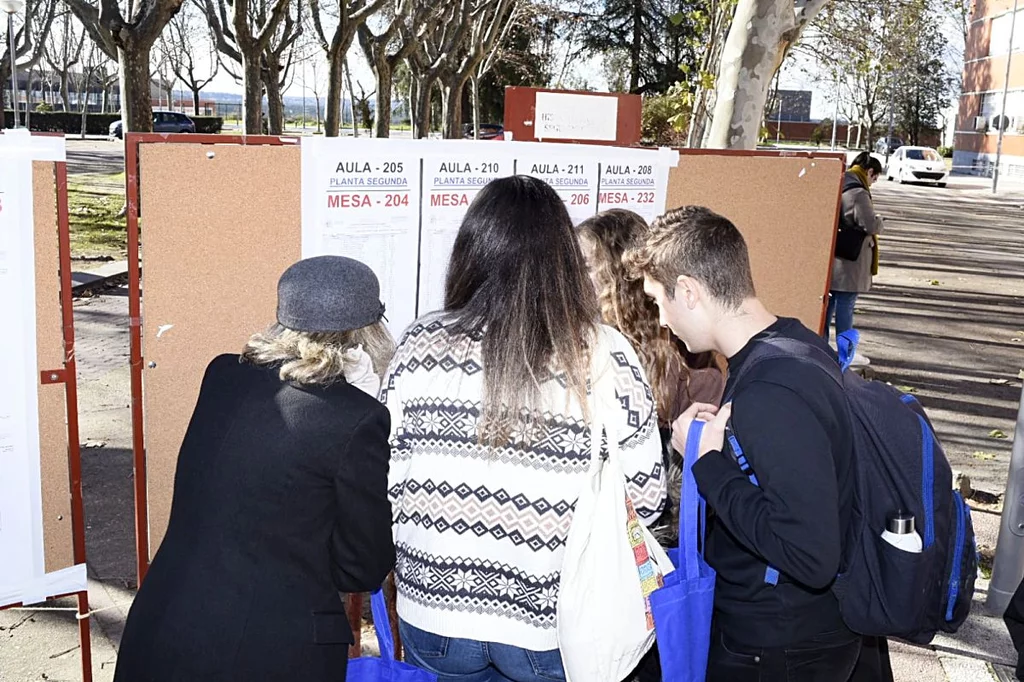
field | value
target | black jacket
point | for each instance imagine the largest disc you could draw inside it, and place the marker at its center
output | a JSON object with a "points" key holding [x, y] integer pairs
{"points": [[793, 425], [280, 502]]}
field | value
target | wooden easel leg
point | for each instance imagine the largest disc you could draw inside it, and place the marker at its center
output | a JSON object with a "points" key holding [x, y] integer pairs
{"points": [[84, 636]]}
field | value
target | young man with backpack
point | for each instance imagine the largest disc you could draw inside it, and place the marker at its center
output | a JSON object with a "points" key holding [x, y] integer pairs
{"points": [[804, 468], [796, 432]]}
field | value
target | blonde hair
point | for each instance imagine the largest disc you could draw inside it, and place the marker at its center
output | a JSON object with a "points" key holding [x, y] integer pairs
{"points": [[318, 358]]}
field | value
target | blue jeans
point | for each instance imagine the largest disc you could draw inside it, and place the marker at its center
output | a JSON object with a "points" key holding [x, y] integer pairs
{"points": [[840, 305], [467, 660]]}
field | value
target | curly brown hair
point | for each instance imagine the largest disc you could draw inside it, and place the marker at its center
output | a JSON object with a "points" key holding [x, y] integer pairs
{"points": [[625, 306]]}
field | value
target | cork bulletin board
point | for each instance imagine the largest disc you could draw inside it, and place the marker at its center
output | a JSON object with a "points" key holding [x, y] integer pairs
{"points": [[786, 206], [236, 214], [55, 473], [234, 211]]}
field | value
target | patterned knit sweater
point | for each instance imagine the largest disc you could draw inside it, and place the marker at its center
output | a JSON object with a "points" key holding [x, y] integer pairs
{"points": [[480, 531]]}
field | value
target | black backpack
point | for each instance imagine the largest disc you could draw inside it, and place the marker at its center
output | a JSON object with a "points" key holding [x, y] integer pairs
{"points": [[898, 465]]}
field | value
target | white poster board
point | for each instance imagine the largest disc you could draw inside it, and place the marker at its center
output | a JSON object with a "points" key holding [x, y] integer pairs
{"points": [[397, 205], [23, 576], [450, 183], [571, 116]]}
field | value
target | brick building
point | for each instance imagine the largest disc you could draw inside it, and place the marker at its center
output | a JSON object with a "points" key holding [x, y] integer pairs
{"points": [[978, 120]]}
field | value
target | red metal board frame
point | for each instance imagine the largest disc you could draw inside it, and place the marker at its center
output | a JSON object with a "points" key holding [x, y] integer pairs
{"points": [[69, 377]]}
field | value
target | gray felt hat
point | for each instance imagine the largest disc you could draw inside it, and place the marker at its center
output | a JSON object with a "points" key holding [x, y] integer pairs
{"points": [[328, 294]]}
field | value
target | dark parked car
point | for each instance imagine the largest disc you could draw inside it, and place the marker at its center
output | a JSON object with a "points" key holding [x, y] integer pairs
{"points": [[887, 146], [488, 131], [163, 122]]}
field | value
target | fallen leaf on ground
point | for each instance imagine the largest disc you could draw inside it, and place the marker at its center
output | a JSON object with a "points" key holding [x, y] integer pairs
{"points": [[983, 455], [934, 282], [996, 433], [906, 389], [999, 382]]}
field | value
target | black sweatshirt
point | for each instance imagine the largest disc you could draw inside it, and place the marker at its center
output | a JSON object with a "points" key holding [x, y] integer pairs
{"points": [[792, 423]]}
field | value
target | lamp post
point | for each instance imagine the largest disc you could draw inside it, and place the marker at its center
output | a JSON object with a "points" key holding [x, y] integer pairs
{"points": [[12, 7], [1006, 89]]}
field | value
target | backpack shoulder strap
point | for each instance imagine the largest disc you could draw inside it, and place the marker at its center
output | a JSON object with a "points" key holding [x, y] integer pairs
{"points": [[776, 347], [785, 347]]}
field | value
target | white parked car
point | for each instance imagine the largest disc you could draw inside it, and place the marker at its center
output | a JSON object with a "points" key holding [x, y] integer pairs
{"points": [[917, 164]]}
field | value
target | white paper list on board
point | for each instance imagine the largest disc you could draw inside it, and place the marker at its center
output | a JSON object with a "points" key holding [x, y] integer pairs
{"points": [[575, 180], [361, 202], [637, 185], [21, 542], [449, 186]]}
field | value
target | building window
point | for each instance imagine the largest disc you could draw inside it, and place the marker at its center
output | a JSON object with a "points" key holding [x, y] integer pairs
{"points": [[992, 105], [999, 37]]}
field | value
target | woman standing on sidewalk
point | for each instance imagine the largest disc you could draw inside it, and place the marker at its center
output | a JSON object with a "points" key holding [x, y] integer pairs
{"points": [[853, 277]]}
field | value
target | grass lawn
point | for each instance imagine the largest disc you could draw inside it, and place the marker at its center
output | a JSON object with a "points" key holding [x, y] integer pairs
{"points": [[94, 202]]}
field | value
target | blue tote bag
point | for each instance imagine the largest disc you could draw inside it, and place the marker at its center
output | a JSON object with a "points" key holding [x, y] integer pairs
{"points": [[683, 607], [385, 668]]}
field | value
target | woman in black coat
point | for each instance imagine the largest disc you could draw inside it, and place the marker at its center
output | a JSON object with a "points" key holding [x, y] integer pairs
{"points": [[280, 497]]}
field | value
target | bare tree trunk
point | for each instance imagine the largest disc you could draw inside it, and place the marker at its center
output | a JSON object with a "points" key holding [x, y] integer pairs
{"points": [[252, 103], [28, 100], [761, 33], [5, 77], [335, 93], [421, 109], [352, 100], [413, 106], [275, 106], [453, 92], [136, 99], [636, 48], [65, 90], [476, 107], [275, 98], [384, 76], [319, 116], [195, 101], [748, 65]]}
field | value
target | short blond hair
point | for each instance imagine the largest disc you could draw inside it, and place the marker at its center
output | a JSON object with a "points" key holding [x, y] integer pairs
{"points": [[318, 358], [694, 241]]}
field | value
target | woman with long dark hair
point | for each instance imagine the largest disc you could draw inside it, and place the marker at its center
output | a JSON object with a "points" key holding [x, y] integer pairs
{"points": [[491, 428]]}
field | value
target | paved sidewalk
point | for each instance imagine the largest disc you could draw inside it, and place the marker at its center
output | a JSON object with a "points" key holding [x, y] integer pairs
{"points": [[955, 344]]}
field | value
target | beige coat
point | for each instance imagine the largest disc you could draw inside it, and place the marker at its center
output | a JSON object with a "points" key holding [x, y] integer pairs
{"points": [[855, 275]]}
